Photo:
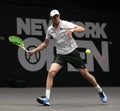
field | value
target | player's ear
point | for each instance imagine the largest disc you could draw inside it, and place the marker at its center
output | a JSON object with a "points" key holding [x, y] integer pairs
{"points": [[50, 17]]}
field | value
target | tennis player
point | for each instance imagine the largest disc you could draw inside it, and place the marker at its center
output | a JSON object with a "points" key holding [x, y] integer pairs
{"points": [[66, 52]]}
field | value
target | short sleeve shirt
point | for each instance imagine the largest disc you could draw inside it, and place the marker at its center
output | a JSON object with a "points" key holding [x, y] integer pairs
{"points": [[64, 44]]}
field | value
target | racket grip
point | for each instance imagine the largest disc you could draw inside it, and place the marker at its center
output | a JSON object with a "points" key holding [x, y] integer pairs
{"points": [[26, 50]]}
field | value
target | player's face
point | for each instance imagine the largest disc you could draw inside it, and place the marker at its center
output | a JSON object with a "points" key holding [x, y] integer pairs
{"points": [[55, 19]]}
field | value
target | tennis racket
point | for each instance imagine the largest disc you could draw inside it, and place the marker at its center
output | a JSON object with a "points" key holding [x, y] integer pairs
{"points": [[17, 41]]}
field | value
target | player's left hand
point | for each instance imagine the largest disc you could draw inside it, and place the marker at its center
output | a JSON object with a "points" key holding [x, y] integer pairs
{"points": [[69, 32]]}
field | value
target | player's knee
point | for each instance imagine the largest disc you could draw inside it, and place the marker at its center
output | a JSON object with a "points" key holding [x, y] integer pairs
{"points": [[84, 73], [51, 73]]}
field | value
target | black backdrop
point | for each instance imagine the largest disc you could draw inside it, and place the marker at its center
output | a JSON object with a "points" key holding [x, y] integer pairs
{"points": [[14, 71]]}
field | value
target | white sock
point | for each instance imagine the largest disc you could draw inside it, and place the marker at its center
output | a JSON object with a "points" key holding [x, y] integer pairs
{"points": [[47, 93], [99, 89]]}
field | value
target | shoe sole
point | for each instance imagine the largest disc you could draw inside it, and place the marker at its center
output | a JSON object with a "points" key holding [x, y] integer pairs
{"points": [[104, 101], [41, 102]]}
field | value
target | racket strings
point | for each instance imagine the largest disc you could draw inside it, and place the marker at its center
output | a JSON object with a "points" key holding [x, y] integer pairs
{"points": [[16, 43]]}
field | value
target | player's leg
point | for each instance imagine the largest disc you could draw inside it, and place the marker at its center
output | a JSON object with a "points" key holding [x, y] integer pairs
{"points": [[77, 62], [84, 72], [92, 80], [54, 68]]}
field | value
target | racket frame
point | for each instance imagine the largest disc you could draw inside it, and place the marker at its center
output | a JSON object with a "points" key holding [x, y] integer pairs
{"points": [[18, 44]]}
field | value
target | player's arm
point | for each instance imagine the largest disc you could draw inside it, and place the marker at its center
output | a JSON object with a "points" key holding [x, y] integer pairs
{"points": [[78, 29], [75, 29], [39, 47]]}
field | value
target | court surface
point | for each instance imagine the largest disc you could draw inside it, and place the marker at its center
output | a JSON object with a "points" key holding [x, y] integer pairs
{"points": [[62, 99]]}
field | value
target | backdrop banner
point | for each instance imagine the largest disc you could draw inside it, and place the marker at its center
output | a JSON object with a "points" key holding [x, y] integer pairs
{"points": [[30, 23]]}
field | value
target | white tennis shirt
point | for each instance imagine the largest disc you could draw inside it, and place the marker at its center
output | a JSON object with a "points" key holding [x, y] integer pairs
{"points": [[64, 44]]}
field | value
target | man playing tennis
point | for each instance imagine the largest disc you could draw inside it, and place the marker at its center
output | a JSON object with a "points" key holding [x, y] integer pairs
{"points": [[66, 51]]}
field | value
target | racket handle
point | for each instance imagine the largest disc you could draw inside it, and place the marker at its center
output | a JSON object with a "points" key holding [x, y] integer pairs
{"points": [[26, 50]]}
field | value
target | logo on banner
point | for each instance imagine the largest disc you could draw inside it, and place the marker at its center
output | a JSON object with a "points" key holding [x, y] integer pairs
{"points": [[31, 62]]}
